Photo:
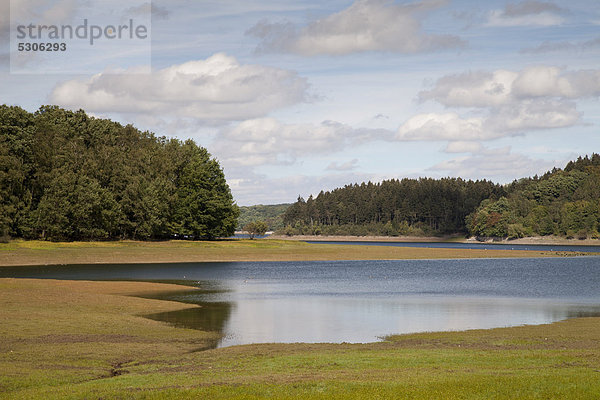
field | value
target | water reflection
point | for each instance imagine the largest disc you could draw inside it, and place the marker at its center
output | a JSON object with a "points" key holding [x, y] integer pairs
{"points": [[247, 319], [210, 317], [358, 301]]}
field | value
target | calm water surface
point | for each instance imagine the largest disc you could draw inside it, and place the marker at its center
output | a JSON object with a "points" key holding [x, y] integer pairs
{"points": [[358, 301], [474, 245]]}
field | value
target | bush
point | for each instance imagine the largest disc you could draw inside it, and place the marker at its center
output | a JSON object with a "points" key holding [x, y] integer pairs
{"points": [[516, 231]]}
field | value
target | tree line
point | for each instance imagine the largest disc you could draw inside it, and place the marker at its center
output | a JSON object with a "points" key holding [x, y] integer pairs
{"points": [[271, 214], [561, 202], [67, 176], [392, 207]]}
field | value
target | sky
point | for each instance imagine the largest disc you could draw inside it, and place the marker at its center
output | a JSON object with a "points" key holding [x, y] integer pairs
{"points": [[295, 97]]}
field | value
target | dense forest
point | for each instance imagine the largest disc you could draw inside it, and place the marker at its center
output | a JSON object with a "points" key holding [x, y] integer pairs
{"points": [[68, 176], [561, 202], [393, 207], [271, 214]]}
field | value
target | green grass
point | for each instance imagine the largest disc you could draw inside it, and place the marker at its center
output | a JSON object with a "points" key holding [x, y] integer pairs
{"points": [[76, 340], [21, 252]]}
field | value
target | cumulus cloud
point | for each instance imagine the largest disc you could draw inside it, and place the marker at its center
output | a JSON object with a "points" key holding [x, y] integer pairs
{"points": [[508, 120], [448, 126], [499, 164], [555, 82], [472, 89], [463, 147], [549, 46], [505, 103], [527, 13], [501, 87], [532, 115], [367, 25], [213, 90], [347, 166], [267, 141]]}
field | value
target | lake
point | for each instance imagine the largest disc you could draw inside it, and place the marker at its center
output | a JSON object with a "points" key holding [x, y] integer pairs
{"points": [[358, 301], [475, 245]]}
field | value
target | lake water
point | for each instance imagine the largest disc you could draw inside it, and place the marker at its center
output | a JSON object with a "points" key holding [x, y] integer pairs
{"points": [[475, 245], [358, 301]]}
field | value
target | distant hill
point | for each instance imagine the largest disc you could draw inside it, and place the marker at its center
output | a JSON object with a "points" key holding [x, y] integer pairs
{"points": [[561, 202], [271, 214]]}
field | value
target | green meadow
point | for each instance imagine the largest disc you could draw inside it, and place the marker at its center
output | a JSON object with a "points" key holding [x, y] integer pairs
{"points": [[66, 339]]}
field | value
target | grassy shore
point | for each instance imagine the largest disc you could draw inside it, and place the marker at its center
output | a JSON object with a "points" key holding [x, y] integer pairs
{"points": [[40, 253], [64, 340], [541, 240]]}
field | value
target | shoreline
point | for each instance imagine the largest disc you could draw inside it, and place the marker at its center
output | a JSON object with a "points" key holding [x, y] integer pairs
{"points": [[539, 240], [23, 253]]}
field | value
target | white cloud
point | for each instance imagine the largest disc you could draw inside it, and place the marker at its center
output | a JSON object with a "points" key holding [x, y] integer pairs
{"points": [[499, 164], [267, 141], [553, 82], [505, 102], [472, 89], [213, 90], [526, 13], [507, 120], [448, 126], [463, 147], [549, 46], [533, 115], [501, 87], [367, 25], [347, 166]]}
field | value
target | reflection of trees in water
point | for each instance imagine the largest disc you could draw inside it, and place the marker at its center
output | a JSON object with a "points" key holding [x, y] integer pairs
{"points": [[208, 316], [574, 312], [580, 313]]}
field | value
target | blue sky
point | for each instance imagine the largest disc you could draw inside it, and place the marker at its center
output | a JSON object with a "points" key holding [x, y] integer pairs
{"points": [[297, 96]]}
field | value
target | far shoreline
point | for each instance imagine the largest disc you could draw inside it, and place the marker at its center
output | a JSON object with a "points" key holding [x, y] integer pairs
{"points": [[22, 253], [538, 240]]}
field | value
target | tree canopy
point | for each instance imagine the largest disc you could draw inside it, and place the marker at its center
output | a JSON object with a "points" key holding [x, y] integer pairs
{"points": [[256, 228], [271, 214], [392, 207], [561, 202], [67, 176]]}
